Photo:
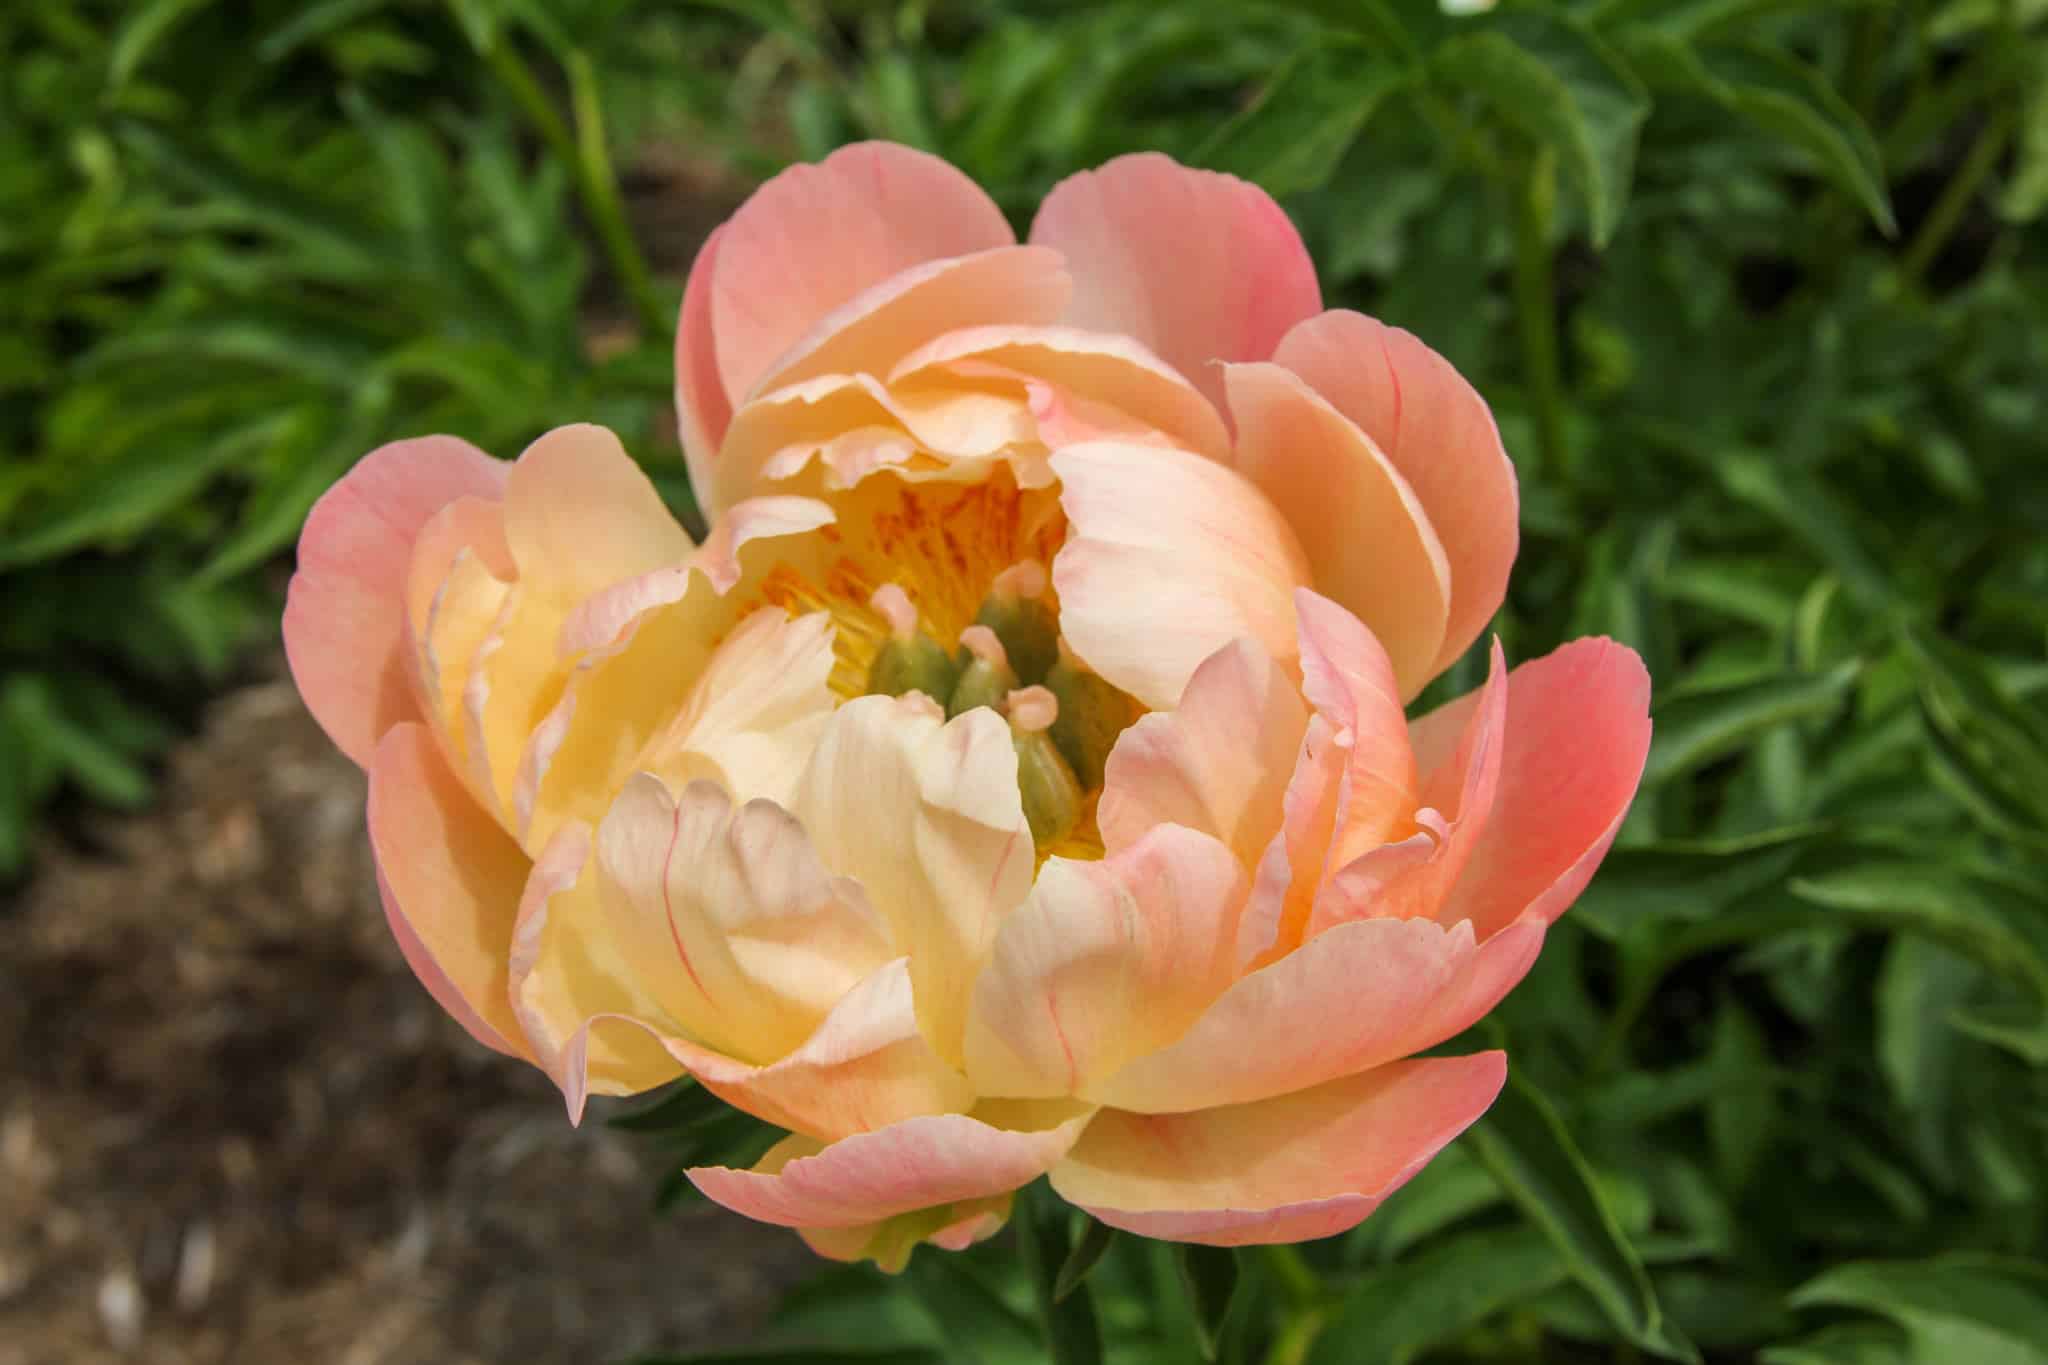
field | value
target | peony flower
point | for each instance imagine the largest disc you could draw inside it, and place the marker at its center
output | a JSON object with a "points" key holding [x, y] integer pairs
{"points": [[1017, 781]]}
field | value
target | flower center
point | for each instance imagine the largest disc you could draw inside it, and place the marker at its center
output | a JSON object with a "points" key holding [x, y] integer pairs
{"points": [[942, 589]]}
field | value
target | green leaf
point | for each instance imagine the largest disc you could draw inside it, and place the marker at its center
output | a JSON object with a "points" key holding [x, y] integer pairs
{"points": [[1306, 118], [1096, 1239], [978, 1326], [1694, 729], [1981, 1309], [682, 1105], [1437, 1295], [803, 1355], [1211, 1278], [147, 26], [1550, 77], [1073, 1336], [1847, 1343], [1523, 1142], [1780, 95], [1924, 898], [1687, 879]]}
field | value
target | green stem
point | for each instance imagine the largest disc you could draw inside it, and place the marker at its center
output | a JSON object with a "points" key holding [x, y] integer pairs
{"points": [[1292, 1345], [601, 197], [1536, 307], [584, 149], [1948, 210]]}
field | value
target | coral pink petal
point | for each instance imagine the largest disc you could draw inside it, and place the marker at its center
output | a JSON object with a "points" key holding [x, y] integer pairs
{"points": [[815, 236], [1350, 681], [865, 1068], [1303, 1165], [1577, 732], [345, 617], [1218, 763], [1198, 266], [915, 1164], [1169, 558], [451, 881], [1342, 1003], [702, 409], [1366, 534], [1106, 960], [1437, 431]]}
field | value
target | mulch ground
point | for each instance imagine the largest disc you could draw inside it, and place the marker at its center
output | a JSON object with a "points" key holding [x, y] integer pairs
{"points": [[234, 1128]]}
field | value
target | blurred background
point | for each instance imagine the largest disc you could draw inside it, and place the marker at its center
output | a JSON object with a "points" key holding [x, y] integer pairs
{"points": [[1758, 290]]}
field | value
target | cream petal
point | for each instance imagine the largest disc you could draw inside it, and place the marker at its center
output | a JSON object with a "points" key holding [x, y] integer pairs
{"points": [[865, 1067], [926, 816], [345, 632], [1367, 537], [1435, 429], [1169, 557], [1198, 266], [1104, 961], [1303, 1165]]}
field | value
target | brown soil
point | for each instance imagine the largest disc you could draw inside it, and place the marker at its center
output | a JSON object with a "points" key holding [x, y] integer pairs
{"points": [[234, 1128]]}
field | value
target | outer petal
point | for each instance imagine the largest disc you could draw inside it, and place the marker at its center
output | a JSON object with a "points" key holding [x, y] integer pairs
{"points": [[1304, 1165], [1365, 532], [1168, 559], [925, 816], [916, 1164], [702, 409], [345, 618], [952, 1227], [1577, 734], [815, 236], [865, 1068], [1104, 962], [450, 881], [1436, 430], [1218, 763], [1200, 267]]}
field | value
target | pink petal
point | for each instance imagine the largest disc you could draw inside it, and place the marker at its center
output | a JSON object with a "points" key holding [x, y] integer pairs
{"points": [[889, 1243], [1198, 266], [865, 1068], [1436, 430], [702, 409], [451, 880], [1291, 869], [1576, 734], [1350, 681], [1413, 878], [1341, 1003], [925, 816], [1304, 1165], [1218, 763], [1169, 557], [1097, 368], [815, 236], [870, 333], [1366, 534], [916, 1164], [1105, 961], [345, 618]]}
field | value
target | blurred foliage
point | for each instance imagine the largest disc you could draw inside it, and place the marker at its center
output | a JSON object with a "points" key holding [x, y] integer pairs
{"points": [[1756, 290]]}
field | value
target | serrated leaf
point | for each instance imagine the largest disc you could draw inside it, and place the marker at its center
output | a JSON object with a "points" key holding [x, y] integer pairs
{"points": [[1524, 1143], [1552, 78], [1306, 118]]}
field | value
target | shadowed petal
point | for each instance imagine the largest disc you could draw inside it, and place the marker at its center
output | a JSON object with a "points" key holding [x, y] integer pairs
{"points": [[1169, 558], [1436, 430]]}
